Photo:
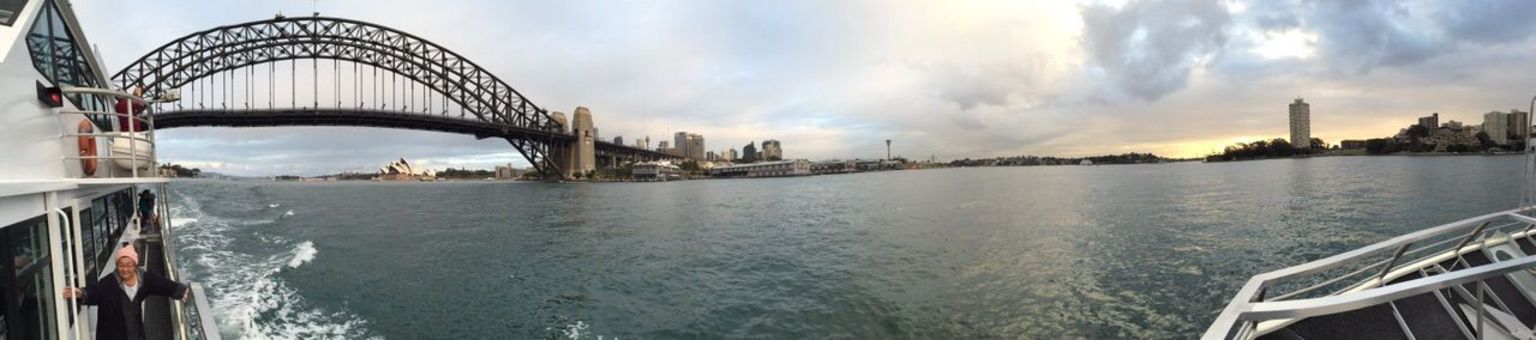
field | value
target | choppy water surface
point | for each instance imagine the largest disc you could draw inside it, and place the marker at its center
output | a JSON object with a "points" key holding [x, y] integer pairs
{"points": [[1145, 251]]}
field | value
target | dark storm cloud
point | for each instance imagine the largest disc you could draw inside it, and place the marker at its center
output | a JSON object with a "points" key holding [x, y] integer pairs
{"points": [[1490, 21], [1358, 36], [1147, 48], [1361, 35]]}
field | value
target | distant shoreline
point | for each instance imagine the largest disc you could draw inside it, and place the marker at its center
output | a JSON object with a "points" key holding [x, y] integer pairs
{"points": [[1403, 153]]}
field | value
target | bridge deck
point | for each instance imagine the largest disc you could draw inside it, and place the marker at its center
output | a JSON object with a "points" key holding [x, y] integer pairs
{"points": [[376, 118]]}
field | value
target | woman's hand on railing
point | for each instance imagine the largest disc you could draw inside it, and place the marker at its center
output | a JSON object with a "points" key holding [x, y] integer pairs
{"points": [[74, 293]]}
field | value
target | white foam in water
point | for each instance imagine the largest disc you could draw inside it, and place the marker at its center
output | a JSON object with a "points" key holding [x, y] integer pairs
{"points": [[289, 213], [575, 331], [251, 300], [274, 205], [304, 253]]}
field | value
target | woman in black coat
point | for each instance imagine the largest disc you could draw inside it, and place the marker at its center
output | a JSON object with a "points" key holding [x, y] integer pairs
{"points": [[119, 298]]}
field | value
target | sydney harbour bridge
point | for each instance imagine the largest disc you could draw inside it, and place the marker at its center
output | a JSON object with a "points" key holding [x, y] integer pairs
{"points": [[320, 71]]}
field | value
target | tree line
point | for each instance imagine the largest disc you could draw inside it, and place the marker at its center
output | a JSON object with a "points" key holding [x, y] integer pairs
{"points": [[1262, 149]]}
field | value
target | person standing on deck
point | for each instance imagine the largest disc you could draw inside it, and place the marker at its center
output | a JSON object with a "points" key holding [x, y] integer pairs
{"points": [[147, 212], [119, 298], [130, 111]]}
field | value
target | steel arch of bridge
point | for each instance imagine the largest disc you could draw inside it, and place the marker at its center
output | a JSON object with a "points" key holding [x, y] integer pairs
{"points": [[530, 129]]}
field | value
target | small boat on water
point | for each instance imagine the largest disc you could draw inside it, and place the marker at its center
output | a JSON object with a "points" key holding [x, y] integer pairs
{"points": [[1470, 279]]}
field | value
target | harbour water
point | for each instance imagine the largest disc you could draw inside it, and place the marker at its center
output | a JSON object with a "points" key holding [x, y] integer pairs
{"points": [[1138, 251]]}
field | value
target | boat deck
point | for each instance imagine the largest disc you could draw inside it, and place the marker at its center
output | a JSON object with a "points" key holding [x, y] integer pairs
{"points": [[157, 309], [1470, 279], [1424, 316]]}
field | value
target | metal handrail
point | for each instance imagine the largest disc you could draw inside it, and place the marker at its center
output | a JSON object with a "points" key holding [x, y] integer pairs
{"points": [[141, 118], [1248, 297], [1356, 300], [207, 328], [124, 135], [1364, 269], [148, 121]]}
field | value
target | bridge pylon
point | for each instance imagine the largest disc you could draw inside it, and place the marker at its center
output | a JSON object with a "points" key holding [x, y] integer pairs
{"points": [[584, 150]]}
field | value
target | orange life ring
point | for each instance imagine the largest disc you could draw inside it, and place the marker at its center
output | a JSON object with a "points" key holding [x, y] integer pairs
{"points": [[87, 147]]}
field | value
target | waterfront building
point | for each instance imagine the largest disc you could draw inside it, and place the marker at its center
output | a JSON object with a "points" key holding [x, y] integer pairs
{"points": [[1452, 133], [1301, 124], [655, 172], [1519, 125], [400, 170], [506, 172], [796, 167], [771, 151], [870, 164], [749, 153], [710, 156], [1431, 121], [1352, 144], [662, 148], [731, 155], [834, 167], [1496, 124]]}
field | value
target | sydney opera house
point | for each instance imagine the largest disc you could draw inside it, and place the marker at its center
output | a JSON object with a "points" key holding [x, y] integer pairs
{"points": [[400, 170]]}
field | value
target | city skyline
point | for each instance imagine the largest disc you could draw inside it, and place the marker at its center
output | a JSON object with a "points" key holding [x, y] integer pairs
{"points": [[955, 80]]}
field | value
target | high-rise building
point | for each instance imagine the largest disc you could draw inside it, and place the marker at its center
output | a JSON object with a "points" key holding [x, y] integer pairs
{"points": [[662, 147], [618, 140], [771, 150], [1519, 125], [1496, 124], [731, 155], [710, 156], [1430, 122], [748, 153], [680, 143], [695, 146], [1301, 124]]}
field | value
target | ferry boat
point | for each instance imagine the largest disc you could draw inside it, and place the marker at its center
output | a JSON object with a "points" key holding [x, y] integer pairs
{"points": [[1470, 279], [71, 171]]}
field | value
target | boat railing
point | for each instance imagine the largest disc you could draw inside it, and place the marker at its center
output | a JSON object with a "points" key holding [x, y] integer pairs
{"points": [[192, 317], [199, 323], [138, 156], [1365, 276]]}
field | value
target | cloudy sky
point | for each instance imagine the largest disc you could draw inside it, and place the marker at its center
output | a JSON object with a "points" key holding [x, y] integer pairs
{"points": [[942, 79]]}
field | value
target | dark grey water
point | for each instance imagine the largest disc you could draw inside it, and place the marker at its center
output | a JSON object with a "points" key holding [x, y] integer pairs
{"points": [[1145, 251]]}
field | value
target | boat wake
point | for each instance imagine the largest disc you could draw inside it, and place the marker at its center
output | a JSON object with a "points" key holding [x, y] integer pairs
{"points": [[250, 296]]}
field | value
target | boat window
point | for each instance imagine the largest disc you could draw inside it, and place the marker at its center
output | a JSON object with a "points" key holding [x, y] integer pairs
{"points": [[9, 10], [1502, 255], [56, 55], [28, 284], [88, 241]]}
